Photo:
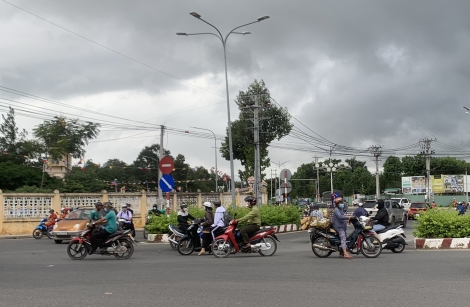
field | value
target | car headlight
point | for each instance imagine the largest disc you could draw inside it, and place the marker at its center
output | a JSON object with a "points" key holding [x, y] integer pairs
{"points": [[76, 226], [55, 226]]}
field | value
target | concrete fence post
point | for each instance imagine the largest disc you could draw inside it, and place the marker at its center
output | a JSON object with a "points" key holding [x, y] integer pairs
{"points": [[199, 200], [104, 196], [174, 205], [2, 206], [56, 201], [143, 208]]}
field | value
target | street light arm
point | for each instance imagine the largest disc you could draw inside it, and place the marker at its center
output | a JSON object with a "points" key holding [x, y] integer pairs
{"points": [[226, 37], [208, 33], [220, 34]]}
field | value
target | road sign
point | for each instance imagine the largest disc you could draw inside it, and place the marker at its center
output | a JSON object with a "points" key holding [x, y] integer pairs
{"points": [[285, 174], [167, 183], [166, 165], [286, 186], [279, 198]]}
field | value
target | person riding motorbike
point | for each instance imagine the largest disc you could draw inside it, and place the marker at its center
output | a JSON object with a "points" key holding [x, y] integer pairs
{"points": [[95, 215], [360, 211], [219, 222], [381, 217], [206, 227], [314, 212], [253, 220], [154, 211], [125, 215], [51, 218], [339, 225], [110, 228], [63, 213], [183, 217]]}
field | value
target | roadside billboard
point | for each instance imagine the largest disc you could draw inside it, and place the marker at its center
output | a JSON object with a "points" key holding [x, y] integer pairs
{"points": [[413, 185]]}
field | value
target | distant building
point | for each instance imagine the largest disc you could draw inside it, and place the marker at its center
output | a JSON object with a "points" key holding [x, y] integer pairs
{"points": [[58, 169]]}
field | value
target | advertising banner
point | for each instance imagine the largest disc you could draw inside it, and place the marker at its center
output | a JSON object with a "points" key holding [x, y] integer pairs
{"points": [[406, 185], [418, 185], [437, 184], [453, 183]]}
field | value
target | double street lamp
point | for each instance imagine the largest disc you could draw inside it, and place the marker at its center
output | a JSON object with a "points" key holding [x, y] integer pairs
{"points": [[224, 43]]}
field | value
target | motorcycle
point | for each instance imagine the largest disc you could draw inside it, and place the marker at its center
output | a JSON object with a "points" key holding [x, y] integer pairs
{"points": [[174, 236], [119, 244], [42, 230], [324, 243], [392, 237], [192, 240], [263, 242]]}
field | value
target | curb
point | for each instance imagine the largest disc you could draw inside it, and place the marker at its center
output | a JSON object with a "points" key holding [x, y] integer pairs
{"points": [[13, 237], [446, 243]]}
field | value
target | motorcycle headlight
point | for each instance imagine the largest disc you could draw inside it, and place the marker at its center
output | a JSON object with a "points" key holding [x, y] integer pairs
{"points": [[76, 226]]}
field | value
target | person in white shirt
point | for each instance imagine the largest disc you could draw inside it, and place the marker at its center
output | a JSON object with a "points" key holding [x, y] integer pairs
{"points": [[218, 218], [126, 215]]}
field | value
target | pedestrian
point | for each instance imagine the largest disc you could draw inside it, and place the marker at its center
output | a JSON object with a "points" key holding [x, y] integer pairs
{"points": [[433, 205], [461, 209]]}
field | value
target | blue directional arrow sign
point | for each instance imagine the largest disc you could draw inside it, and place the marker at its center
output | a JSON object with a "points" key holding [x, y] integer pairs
{"points": [[167, 183]]}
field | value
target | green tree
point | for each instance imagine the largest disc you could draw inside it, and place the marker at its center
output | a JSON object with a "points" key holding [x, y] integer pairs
{"points": [[413, 165], [62, 137], [274, 125], [392, 173], [84, 179], [14, 176]]}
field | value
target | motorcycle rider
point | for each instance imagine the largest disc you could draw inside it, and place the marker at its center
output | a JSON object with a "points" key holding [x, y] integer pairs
{"points": [[253, 219], [381, 217], [183, 217], [360, 211], [51, 218], [110, 228], [155, 211], [314, 212], [339, 224], [63, 213], [218, 218], [206, 228], [126, 215], [95, 215]]}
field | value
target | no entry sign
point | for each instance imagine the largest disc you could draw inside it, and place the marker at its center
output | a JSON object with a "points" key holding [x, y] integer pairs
{"points": [[166, 165]]}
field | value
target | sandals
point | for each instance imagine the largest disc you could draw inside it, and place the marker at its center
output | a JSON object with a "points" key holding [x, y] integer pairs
{"points": [[348, 257]]}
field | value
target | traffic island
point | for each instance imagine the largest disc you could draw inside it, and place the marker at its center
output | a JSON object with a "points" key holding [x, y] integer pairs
{"points": [[446, 243], [157, 238]]}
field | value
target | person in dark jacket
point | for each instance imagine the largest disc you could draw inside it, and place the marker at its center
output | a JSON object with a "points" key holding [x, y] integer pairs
{"points": [[360, 211], [461, 208], [381, 217], [339, 224], [207, 227], [183, 217]]}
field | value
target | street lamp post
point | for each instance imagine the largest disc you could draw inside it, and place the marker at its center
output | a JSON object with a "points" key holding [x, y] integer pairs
{"points": [[215, 153], [224, 43]]}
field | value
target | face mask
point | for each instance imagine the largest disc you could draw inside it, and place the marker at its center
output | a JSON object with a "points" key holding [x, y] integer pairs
{"points": [[106, 209], [341, 206]]}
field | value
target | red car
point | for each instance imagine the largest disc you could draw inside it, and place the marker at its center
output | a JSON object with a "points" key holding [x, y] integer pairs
{"points": [[415, 209]]}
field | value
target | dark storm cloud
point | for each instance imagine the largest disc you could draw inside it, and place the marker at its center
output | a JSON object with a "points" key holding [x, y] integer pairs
{"points": [[390, 72]]}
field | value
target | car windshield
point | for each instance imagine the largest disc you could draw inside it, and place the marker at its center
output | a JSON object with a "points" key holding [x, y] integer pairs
{"points": [[418, 205], [78, 214], [369, 205]]}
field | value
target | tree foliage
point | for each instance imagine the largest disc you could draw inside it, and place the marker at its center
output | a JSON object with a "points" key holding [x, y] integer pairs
{"points": [[274, 124]]}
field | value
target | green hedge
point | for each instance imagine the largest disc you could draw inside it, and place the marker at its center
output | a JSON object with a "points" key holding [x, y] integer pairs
{"points": [[442, 224], [270, 216]]}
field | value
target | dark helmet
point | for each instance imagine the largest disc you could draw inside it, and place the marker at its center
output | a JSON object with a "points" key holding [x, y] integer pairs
{"points": [[251, 200], [217, 203], [98, 204], [155, 207], [51, 210], [183, 205]]}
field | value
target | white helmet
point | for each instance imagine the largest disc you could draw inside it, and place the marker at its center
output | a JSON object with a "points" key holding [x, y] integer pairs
{"points": [[207, 204], [124, 206], [360, 204]]}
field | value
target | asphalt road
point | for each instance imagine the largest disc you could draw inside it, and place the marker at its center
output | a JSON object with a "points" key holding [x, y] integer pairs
{"points": [[39, 273]]}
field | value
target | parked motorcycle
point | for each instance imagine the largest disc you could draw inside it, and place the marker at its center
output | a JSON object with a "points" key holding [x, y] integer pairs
{"points": [[324, 243], [42, 230], [119, 244], [231, 241], [192, 240], [393, 237]]}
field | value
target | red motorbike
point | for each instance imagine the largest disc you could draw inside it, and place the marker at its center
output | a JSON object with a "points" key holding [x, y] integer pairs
{"points": [[263, 242]]}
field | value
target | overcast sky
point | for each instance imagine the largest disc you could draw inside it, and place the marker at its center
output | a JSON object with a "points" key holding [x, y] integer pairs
{"points": [[356, 73]]}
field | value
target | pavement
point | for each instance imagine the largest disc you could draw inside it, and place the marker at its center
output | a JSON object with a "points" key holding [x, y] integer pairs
{"points": [[39, 273]]}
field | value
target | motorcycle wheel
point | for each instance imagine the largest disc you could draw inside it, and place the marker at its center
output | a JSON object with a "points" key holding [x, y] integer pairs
{"points": [[128, 253], [185, 247], [146, 234], [48, 233], [37, 234], [369, 249], [76, 251], [273, 248], [398, 249], [405, 219], [319, 252], [225, 251]]}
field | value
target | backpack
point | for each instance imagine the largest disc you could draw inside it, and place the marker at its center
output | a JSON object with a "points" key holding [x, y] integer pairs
{"points": [[227, 218]]}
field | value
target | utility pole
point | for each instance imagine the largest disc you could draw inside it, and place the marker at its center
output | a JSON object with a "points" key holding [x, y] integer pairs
{"points": [[427, 152], [160, 156], [317, 182], [256, 143], [273, 172], [376, 151]]}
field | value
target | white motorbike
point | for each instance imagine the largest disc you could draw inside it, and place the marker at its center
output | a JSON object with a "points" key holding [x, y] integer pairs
{"points": [[392, 237]]}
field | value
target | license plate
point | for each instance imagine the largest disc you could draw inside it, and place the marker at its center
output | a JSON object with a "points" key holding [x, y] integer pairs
{"points": [[61, 233]]}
